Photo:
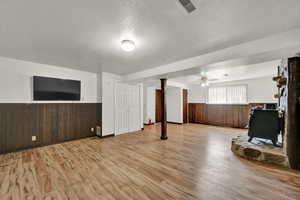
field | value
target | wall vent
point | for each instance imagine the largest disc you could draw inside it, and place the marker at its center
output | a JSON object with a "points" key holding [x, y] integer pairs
{"points": [[188, 5]]}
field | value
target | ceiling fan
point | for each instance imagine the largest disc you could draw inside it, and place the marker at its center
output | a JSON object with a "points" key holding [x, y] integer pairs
{"points": [[204, 80]]}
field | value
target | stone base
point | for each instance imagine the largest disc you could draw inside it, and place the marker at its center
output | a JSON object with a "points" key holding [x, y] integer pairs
{"points": [[258, 151]]}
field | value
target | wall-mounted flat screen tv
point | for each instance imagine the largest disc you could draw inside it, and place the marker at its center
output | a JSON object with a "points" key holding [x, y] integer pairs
{"points": [[53, 89]]}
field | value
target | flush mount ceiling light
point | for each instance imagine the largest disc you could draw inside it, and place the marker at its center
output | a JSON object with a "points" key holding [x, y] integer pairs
{"points": [[127, 45]]}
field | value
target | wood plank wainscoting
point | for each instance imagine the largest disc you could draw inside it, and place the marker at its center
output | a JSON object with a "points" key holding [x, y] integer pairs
{"points": [[236, 116], [50, 123]]}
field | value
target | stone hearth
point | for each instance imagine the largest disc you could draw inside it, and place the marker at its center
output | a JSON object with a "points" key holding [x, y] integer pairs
{"points": [[258, 150]]}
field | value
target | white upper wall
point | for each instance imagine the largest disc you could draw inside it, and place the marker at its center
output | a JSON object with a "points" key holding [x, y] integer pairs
{"points": [[260, 90], [174, 104], [16, 83], [149, 104], [196, 94]]}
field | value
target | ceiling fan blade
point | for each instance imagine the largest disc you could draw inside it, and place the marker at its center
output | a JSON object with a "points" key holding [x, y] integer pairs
{"points": [[213, 79]]}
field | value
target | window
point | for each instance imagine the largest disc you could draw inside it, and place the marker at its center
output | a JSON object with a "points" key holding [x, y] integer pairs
{"points": [[228, 95]]}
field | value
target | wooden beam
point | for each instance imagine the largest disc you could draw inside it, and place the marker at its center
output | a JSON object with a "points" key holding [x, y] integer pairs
{"points": [[293, 125], [164, 134]]}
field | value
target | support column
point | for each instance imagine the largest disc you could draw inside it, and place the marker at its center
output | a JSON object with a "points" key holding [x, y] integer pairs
{"points": [[293, 125], [164, 135]]}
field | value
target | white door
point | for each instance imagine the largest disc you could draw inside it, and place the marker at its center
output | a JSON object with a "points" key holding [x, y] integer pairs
{"points": [[128, 108], [122, 109], [134, 108]]}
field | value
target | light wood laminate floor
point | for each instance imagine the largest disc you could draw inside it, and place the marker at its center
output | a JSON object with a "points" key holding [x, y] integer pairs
{"points": [[195, 163]]}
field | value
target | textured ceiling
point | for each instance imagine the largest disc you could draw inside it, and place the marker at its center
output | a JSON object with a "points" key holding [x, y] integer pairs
{"points": [[225, 74], [86, 34]]}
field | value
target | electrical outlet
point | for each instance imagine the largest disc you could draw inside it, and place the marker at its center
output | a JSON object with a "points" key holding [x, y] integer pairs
{"points": [[33, 138], [92, 129]]}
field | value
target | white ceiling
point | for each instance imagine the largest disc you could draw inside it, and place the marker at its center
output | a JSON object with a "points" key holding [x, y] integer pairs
{"points": [[86, 34], [231, 73]]}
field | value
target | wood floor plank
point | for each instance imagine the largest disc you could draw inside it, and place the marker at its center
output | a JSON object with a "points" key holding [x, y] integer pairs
{"points": [[194, 163]]}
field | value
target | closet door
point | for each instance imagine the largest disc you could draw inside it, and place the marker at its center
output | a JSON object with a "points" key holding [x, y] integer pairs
{"points": [[134, 108], [108, 105], [122, 109]]}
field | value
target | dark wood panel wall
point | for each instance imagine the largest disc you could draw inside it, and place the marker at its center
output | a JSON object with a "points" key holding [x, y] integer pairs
{"points": [[236, 116], [50, 123]]}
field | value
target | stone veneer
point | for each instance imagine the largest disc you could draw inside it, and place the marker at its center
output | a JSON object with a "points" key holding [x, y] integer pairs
{"points": [[258, 151]]}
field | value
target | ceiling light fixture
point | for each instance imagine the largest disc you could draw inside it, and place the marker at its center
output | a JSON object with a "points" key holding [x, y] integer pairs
{"points": [[204, 81], [127, 45]]}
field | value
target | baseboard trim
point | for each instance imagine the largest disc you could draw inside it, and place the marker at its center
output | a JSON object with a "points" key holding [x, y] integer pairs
{"points": [[148, 124], [174, 123], [105, 136]]}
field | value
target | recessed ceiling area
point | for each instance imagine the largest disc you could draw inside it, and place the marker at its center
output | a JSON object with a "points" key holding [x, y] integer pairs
{"points": [[86, 35], [229, 73], [220, 74]]}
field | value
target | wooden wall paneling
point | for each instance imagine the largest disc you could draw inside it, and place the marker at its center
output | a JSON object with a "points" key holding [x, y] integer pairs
{"points": [[227, 115], [50, 123], [3, 122], [244, 116], [88, 119], [11, 128], [69, 122], [64, 119], [191, 112], [99, 114], [237, 122], [197, 113], [47, 124], [241, 112], [202, 116], [84, 121], [76, 121], [19, 126], [223, 110], [29, 126], [215, 115], [23, 126], [232, 115], [2, 143], [229, 111], [79, 121], [236, 116]]}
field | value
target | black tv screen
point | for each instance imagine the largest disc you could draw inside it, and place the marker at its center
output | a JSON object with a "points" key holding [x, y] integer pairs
{"points": [[53, 89]]}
